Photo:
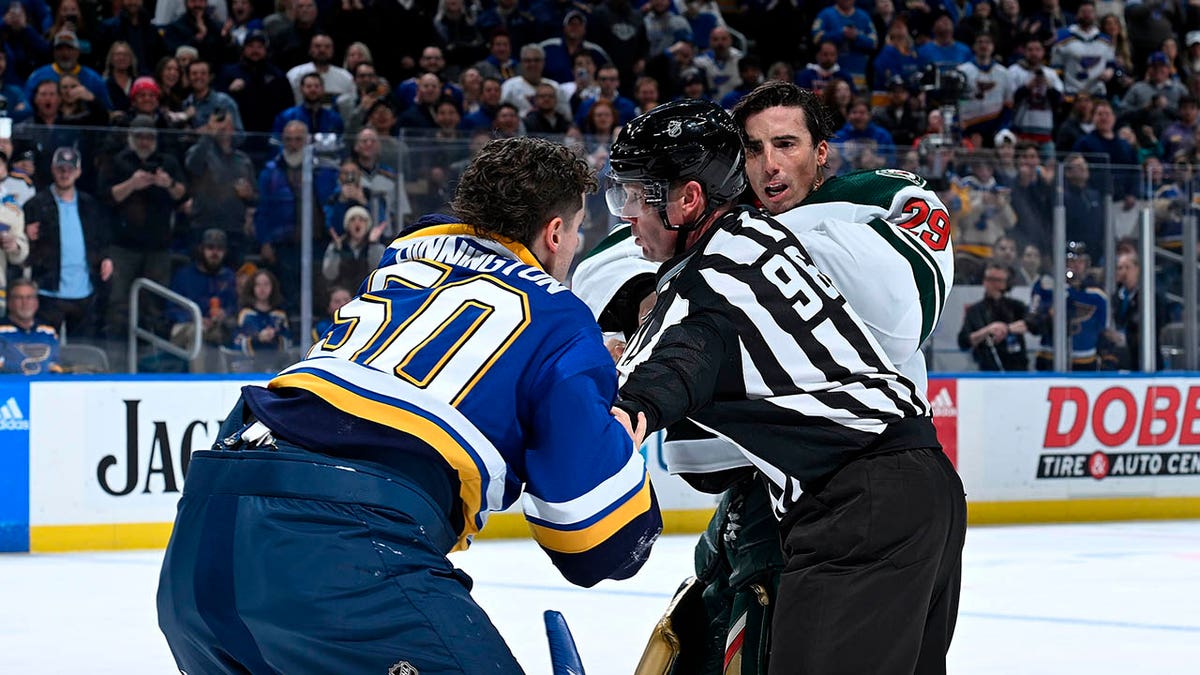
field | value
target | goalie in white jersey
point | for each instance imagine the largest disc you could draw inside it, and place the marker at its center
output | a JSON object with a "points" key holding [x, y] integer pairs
{"points": [[851, 224]]}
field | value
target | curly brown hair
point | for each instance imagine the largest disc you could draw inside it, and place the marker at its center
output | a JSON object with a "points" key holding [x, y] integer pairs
{"points": [[514, 186]]}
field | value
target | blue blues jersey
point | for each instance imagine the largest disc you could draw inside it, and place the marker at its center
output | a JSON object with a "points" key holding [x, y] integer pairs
{"points": [[251, 322], [1087, 316], [28, 352], [321, 329], [462, 351]]}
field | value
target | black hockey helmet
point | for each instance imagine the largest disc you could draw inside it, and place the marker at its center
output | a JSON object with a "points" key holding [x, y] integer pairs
{"points": [[683, 140]]}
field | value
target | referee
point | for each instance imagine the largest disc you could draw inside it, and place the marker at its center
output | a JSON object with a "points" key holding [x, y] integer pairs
{"points": [[749, 340]]}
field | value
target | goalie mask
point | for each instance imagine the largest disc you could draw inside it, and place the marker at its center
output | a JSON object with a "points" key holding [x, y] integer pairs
{"points": [[687, 140]]}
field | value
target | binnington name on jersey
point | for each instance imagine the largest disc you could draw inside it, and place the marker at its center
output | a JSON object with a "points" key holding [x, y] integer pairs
{"points": [[465, 253]]}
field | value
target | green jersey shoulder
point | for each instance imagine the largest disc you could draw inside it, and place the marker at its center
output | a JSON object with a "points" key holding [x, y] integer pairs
{"points": [[877, 188]]}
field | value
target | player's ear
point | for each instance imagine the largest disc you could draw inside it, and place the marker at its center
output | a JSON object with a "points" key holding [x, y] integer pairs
{"points": [[553, 233], [822, 153]]}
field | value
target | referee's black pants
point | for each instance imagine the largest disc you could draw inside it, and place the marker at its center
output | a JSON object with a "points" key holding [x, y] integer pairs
{"points": [[874, 565]]}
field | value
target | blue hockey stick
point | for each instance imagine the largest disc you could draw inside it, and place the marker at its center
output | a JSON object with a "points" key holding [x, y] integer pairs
{"points": [[564, 656]]}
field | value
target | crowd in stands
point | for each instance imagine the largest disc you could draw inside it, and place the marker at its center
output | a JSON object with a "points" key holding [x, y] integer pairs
{"points": [[165, 140]]}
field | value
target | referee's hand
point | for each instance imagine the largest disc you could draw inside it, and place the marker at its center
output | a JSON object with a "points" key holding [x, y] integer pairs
{"points": [[638, 433]]}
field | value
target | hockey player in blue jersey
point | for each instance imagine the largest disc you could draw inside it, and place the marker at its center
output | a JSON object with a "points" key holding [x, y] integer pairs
{"points": [[313, 537]]}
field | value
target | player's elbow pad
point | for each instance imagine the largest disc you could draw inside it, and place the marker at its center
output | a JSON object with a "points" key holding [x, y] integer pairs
{"points": [[617, 557]]}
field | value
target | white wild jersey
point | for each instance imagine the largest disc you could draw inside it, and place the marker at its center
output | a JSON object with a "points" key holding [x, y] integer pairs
{"points": [[883, 238]]}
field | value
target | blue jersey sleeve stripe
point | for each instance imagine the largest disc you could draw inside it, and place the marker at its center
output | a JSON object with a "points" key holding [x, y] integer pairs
{"points": [[613, 489], [578, 541]]}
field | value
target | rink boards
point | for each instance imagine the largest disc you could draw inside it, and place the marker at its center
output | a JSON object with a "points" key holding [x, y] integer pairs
{"points": [[97, 462]]}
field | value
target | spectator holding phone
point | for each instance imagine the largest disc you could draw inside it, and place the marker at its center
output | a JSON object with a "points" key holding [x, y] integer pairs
{"points": [[222, 186], [354, 107], [143, 187], [350, 192]]}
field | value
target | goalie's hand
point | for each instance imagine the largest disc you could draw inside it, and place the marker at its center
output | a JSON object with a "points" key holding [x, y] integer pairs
{"points": [[638, 433]]}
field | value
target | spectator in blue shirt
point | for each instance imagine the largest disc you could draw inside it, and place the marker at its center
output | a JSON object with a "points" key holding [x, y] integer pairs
{"points": [[277, 218], [560, 51], [38, 14], [204, 101], [898, 58], [943, 49], [15, 103], [23, 44], [859, 128], [816, 76], [211, 284], [316, 116], [69, 235], [853, 32], [609, 79], [338, 296], [262, 325]]}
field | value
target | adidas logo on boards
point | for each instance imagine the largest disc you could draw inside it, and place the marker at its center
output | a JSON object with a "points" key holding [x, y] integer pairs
{"points": [[943, 404], [11, 417]]}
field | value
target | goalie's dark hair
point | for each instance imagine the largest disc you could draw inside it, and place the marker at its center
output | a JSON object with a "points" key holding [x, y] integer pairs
{"points": [[776, 93], [514, 186]]}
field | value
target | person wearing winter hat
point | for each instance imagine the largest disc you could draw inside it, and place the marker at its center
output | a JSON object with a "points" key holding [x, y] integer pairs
{"points": [[350, 257]]}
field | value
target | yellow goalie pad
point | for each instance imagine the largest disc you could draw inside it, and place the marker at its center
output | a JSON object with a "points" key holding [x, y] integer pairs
{"points": [[666, 640]]}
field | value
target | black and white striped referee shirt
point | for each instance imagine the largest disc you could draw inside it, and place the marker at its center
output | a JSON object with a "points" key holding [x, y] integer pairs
{"points": [[749, 340]]}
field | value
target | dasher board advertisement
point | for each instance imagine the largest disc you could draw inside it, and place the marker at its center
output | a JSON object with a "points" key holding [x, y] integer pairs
{"points": [[105, 454], [1059, 438]]}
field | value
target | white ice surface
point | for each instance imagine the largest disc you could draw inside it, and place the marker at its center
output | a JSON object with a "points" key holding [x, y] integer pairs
{"points": [[1064, 599]]}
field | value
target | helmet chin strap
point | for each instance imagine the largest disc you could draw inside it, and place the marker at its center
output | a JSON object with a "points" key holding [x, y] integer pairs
{"points": [[682, 231]]}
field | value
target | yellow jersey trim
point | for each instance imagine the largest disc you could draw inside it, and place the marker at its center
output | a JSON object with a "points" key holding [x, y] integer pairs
{"points": [[578, 541], [459, 229], [458, 457]]}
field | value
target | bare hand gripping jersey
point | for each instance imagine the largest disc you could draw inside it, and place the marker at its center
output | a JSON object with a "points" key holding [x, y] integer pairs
{"points": [[461, 352]]}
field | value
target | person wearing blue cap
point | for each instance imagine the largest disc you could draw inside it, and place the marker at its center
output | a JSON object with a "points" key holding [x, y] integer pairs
{"points": [[1157, 82]]}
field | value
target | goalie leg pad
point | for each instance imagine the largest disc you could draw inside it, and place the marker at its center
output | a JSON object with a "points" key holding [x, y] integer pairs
{"points": [[679, 640]]}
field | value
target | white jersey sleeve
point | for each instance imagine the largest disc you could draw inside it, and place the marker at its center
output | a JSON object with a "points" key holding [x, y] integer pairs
{"points": [[884, 240]]}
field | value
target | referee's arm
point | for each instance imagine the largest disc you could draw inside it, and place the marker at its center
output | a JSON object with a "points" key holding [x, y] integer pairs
{"points": [[681, 373]]}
